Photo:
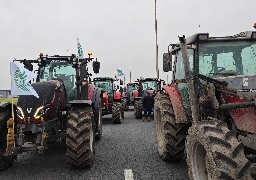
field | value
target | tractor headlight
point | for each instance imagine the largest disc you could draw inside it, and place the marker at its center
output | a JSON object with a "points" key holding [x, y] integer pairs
{"points": [[20, 113], [39, 112]]}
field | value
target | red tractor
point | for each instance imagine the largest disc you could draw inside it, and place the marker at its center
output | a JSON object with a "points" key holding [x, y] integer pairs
{"points": [[112, 98], [128, 96], [150, 85], [68, 109], [209, 108]]}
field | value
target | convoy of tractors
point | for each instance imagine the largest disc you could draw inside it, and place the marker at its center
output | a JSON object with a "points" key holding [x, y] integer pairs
{"points": [[206, 114]]}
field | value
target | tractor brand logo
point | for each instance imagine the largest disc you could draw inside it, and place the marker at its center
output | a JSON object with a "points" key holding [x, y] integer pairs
{"points": [[58, 60], [20, 80], [245, 81], [29, 110]]}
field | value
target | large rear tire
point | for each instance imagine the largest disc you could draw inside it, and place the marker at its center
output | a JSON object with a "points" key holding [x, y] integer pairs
{"points": [[6, 161], [116, 113], [138, 109], [213, 152], [170, 135], [80, 137]]}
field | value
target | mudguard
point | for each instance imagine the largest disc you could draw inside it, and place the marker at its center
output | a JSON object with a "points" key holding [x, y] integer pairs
{"points": [[117, 96], [176, 100], [124, 94], [105, 99], [96, 98], [91, 89], [7, 106], [134, 93]]}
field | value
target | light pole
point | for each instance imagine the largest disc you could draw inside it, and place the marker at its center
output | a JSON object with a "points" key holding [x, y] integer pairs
{"points": [[157, 70]]}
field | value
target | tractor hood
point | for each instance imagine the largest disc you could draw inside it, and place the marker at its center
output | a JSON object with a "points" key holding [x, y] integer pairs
{"points": [[46, 91], [243, 85]]}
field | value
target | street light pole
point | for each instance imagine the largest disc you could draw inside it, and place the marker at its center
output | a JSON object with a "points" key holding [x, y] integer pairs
{"points": [[157, 70]]}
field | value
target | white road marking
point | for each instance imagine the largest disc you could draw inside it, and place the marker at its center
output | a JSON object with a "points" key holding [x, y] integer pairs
{"points": [[128, 175]]}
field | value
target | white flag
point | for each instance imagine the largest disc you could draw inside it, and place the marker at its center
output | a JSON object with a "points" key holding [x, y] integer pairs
{"points": [[20, 78], [79, 49], [120, 72]]}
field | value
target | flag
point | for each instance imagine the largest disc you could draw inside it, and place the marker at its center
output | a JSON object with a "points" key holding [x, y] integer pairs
{"points": [[20, 78], [120, 72], [79, 49]]}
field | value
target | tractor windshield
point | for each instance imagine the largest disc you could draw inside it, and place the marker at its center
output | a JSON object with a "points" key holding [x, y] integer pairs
{"points": [[218, 59], [149, 85], [131, 87], [106, 85], [62, 71]]}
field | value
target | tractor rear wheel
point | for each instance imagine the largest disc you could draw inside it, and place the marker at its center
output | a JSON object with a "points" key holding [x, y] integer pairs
{"points": [[213, 152], [138, 109], [170, 135], [6, 161], [80, 137], [116, 113]]}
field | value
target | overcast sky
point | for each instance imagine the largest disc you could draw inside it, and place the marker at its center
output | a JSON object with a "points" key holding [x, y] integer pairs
{"points": [[120, 33]]}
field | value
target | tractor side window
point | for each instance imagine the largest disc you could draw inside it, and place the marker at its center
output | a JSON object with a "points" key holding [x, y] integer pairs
{"points": [[248, 59], [180, 72]]}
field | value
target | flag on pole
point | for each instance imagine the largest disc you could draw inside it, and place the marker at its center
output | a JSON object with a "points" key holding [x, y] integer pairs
{"points": [[79, 49], [20, 78], [120, 72]]}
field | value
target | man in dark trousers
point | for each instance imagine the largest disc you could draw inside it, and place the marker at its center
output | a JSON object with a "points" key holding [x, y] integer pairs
{"points": [[148, 104]]}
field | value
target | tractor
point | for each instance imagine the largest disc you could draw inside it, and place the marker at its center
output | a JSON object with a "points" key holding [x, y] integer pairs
{"points": [[150, 85], [128, 97], [209, 108], [68, 110], [112, 99]]}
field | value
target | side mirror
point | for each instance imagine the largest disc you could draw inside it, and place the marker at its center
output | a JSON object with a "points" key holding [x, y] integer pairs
{"points": [[96, 67], [167, 62], [28, 65]]}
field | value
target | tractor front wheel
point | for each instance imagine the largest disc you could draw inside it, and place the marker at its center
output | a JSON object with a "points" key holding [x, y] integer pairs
{"points": [[125, 104], [116, 113], [98, 120], [6, 161], [80, 137], [213, 152], [170, 135], [138, 109]]}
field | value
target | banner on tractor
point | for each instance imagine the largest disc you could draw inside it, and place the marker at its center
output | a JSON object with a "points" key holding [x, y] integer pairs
{"points": [[120, 72], [79, 49], [20, 81]]}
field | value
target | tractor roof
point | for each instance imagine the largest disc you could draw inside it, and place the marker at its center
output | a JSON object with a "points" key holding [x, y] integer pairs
{"points": [[132, 83], [103, 79], [204, 37], [149, 79]]}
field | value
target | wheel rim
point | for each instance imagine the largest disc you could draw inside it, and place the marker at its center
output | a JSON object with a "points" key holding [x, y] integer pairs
{"points": [[201, 163]]}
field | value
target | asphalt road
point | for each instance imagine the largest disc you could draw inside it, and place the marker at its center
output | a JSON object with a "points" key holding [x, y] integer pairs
{"points": [[128, 148]]}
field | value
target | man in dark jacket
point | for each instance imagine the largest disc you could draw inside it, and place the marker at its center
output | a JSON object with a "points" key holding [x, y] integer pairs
{"points": [[148, 104]]}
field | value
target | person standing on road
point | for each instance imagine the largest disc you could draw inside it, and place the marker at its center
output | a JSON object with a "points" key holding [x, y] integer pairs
{"points": [[148, 104]]}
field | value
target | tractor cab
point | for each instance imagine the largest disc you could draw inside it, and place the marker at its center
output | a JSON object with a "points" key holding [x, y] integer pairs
{"points": [[151, 85], [111, 98]]}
